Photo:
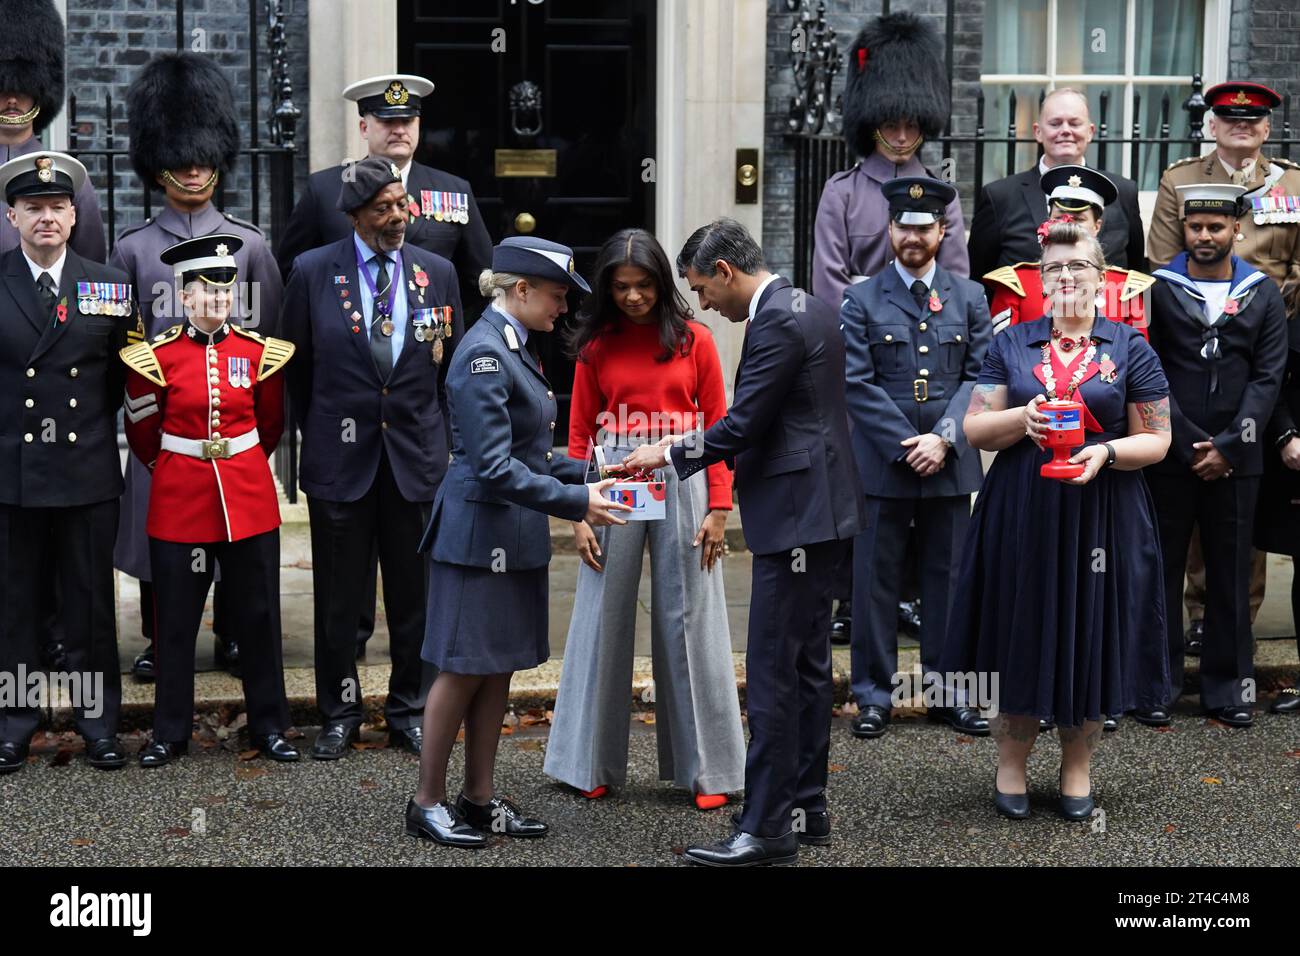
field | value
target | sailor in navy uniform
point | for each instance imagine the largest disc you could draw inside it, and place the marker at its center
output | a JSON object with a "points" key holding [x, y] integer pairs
{"points": [[490, 541], [1219, 327], [184, 137], [65, 320]]}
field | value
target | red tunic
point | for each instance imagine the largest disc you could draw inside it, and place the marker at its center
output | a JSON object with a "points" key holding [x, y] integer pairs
{"points": [[1018, 295], [190, 388]]}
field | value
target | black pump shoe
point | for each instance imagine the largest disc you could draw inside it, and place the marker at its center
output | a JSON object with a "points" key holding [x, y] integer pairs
{"points": [[1013, 805], [1075, 808], [442, 824]]}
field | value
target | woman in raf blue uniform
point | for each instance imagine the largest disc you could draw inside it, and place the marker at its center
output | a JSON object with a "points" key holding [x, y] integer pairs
{"points": [[1061, 594], [490, 540]]}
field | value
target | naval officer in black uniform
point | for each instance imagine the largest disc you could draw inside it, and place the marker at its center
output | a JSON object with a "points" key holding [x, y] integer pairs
{"points": [[915, 336], [60, 471]]}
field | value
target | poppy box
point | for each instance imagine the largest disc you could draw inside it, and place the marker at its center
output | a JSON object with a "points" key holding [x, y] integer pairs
{"points": [[647, 499]]}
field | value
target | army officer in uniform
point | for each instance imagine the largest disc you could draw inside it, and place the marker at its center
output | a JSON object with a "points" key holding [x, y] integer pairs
{"points": [[490, 541], [204, 411], [914, 337]]}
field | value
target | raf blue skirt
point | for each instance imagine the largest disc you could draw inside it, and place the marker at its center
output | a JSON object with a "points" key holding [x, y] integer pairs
{"points": [[482, 621]]}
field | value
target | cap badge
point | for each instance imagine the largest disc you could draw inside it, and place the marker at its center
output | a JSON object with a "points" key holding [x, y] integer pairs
{"points": [[1075, 181], [571, 271], [396, 94], [1241, 99], [397, 173], [916, 192], [45, 169], [223, 250]]}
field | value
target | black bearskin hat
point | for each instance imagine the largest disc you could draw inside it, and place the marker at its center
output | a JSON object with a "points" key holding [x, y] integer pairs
{"points": [[181, 112], [895, 71], [31, 55]]}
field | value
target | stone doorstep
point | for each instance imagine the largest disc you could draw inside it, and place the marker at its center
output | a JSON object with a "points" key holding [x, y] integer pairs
{"points": [[219, 693]]}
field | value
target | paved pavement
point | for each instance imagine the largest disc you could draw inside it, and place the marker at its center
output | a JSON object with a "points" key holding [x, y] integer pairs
{"points": [[1200, 794]]}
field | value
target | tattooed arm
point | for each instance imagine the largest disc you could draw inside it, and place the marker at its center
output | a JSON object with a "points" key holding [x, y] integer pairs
{"points": [[989, 424], [1148, 435]]}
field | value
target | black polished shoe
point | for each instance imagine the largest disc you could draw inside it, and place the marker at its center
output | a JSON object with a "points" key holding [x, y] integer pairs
{"points": [[442, 824], [1287, 701], [745, 849], [873, 721], [1013, 805], [333, 741], [106, 753], [1194, 640], [1045, 725], [964, 720], [842, 624], [144, 669], [410, 739], [13, 755], [1110, 724], [816, 828], [499, 816], [1075, 808], [162, 752], [225, 654], [1237, 715], [909, 617], [275, 747], [1152, 716]]}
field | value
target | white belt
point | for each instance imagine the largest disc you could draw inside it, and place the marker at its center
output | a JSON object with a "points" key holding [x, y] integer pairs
{"points": [[210, 448]]}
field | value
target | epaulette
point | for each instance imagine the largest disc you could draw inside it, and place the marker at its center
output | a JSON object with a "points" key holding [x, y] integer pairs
{"points": [[1182, 162], [1135, 283], [245, 223], [167, 335], [1288, 163], [1006, 275], [275, 356], [140, 358]]}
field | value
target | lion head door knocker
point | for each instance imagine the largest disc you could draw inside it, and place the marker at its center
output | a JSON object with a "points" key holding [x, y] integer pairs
{"points": [[526, 108]]}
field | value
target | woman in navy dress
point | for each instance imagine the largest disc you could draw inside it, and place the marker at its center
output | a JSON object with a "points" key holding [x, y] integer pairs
{"points": [[490, 540], [1060, 594]]}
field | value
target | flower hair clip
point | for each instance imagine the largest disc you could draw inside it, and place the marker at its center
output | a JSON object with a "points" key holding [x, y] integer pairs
{"points": [[1046, 227]]}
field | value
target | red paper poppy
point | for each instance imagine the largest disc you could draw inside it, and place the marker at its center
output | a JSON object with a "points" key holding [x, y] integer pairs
{"points": [[421, 278], [63, 312]]}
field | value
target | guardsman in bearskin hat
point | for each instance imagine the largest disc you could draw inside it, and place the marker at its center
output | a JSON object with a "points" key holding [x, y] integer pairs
{"points": [[204, 411], [1075, 194], [184, 138], [31, 95], [61, 386]]}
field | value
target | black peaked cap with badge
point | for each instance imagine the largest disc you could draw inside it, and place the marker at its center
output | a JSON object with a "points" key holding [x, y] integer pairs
{"points": [[917, 200], [538, 258]]}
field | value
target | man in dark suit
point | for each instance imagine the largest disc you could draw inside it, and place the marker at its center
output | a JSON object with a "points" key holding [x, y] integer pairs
{"points": [[915, 337], [1219, 327], [65, 321], [787, 436], [374, 321], [1009, 211]]}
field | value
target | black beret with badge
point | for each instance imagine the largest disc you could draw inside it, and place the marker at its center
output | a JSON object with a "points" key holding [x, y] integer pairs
{"points": [[917, 200], [392, 96], [363, 180]]}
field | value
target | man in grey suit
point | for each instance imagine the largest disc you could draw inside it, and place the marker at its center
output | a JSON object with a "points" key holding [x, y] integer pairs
{"points": [[915, 337]]}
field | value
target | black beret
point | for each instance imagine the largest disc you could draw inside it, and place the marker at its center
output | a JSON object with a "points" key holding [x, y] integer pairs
{"points": [[361, 181]]}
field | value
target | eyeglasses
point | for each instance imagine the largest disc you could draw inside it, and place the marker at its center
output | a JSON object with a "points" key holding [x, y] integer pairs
{"points": [[1054, 270]]}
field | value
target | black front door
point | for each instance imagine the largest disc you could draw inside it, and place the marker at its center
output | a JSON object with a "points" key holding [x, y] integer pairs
{"points": [[547, 108]]}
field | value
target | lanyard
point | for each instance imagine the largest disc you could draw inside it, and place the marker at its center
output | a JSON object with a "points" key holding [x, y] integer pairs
{"points": [[385, 308]]}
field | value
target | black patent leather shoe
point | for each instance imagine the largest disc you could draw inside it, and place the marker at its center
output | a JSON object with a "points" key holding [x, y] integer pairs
{"points": [[842, 624], [162, 752], [964, 720], [1013, 805], [105, 753], [1045, 725], [410, 739], [143, 668], [225, 654], [816, 829], [1110, 724], [499, 816], [1194, 640], [1238, 715], [13, 756], [1287, 701], [909, 617], [1152, 716], [873, 721], [333, 741], [442, 824], [275, 747], [745, 849], [1075, 808]]}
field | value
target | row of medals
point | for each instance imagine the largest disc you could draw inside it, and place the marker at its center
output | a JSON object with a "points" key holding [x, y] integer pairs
{"points": [[91, 306], [423, 333]]}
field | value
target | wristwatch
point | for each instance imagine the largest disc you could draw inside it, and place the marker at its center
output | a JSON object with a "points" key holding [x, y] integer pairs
{"points": [[1110, 454]]}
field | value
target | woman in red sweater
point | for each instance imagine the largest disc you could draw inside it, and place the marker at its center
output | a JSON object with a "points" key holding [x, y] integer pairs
{"points": [[646, 369]]}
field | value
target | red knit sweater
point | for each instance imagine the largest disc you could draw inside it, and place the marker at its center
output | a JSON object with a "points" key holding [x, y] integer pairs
{"points": [[619, 386]]}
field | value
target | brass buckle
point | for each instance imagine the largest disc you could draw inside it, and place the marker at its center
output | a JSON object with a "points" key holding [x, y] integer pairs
{"points": [[216, 448], [921, 389]]}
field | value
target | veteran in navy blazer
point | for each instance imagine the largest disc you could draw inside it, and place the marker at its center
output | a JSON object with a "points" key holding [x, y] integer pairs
{"points": [[491, 541], [915, 337], [375, 323], [787, 433]]}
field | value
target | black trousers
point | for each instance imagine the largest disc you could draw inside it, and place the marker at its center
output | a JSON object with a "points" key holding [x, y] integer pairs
{"points": [[366, 626], [77, 543], [878, 577], [341, 536], [182, 574], [789, 686], [1225, 512], [220, 612]]}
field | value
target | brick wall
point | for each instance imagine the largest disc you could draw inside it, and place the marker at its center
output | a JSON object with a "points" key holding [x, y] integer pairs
{"points": [[108, 40], [1264, 46]]}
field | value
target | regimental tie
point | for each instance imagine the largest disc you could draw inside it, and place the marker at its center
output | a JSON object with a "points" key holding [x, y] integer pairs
{"points": [[381, 329]]}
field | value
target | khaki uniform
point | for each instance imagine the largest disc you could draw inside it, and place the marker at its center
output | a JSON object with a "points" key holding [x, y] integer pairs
{"points": [[1267, 240]]}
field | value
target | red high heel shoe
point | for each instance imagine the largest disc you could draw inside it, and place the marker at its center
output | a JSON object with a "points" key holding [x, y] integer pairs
{"points": [[595, 794], [710, 801]]}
